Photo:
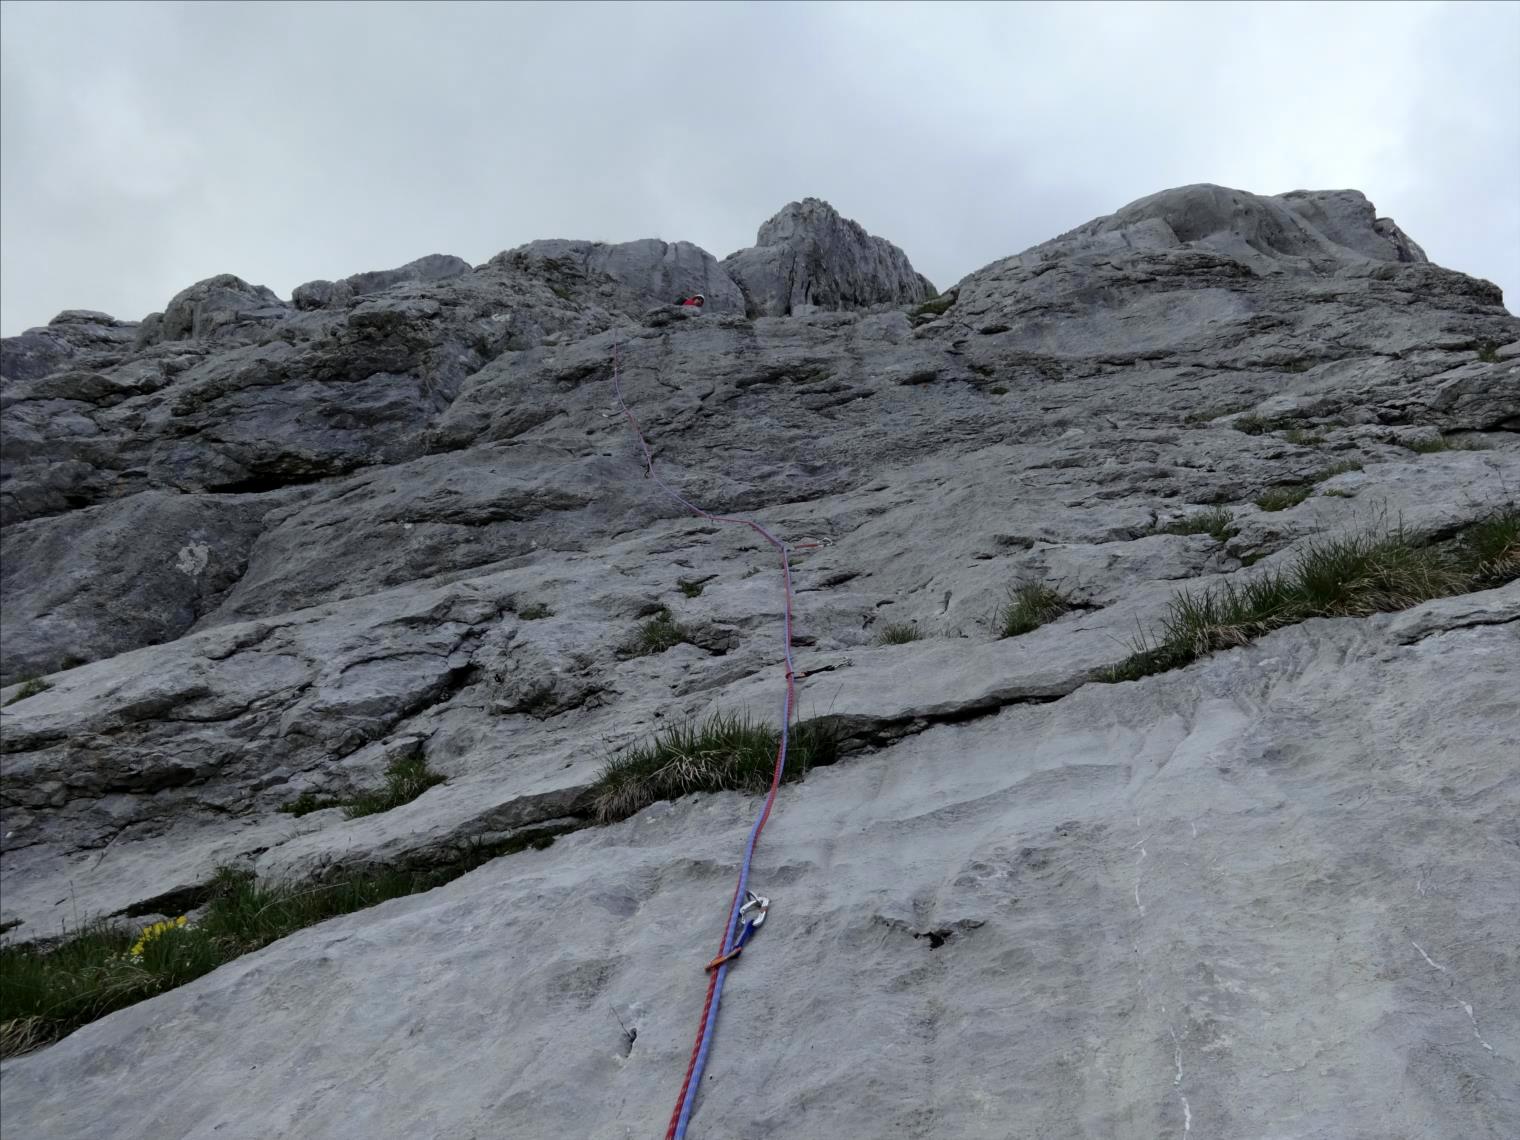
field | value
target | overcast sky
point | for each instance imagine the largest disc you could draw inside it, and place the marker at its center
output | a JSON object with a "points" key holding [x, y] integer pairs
{"points": [[146, 146]]}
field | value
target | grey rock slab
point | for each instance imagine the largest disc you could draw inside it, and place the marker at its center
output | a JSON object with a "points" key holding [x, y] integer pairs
{"points": [[1426, 494], [444, 819], [51, 893], [1111, 915], [90, 584]]}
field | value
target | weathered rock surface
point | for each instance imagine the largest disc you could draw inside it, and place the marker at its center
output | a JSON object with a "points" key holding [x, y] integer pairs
{"points": [[404, 517], [38, 352], [808, 259], [97, 582], [323, 294], [661, 272], [1243, 900]]}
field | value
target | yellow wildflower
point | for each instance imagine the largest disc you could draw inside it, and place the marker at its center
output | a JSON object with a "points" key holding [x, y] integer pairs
{"points": [[149, 933]]}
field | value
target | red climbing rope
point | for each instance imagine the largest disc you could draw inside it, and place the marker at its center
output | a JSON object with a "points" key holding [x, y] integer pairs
{"points": [[734, 936]]}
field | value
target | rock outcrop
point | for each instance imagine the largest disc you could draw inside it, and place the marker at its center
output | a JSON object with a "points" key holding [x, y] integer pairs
{"points": [[269, 554], [660, 272], [41, 351], [808, 259], [326, 294]]}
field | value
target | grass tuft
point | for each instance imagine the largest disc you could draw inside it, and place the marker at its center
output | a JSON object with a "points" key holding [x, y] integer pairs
{"points": [[1205, 415], [656, 635], [1341, 468], [1441, 443], [1029, 606], [29, 688], [308, 802], [1281, 498], [1216, 521], [406, 778], [692, 589], [1488, 352], [725, 752], [1349, 576], [46, 994], [898, 633], [534, 612], [1254, 424], [1301, 437], [1492, 548], [936, 306]]}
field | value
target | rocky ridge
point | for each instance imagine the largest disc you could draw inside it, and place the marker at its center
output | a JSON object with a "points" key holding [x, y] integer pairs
{"points": [[259, 549]]}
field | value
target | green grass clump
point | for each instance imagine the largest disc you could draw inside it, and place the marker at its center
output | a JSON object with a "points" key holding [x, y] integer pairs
{"points": [[406, 778], [722, 753], [898, 633], [998, 390], [534, 612], [1488, 352], [1254, 424], [1216, 521], [1299, 437], [1492, 548], [656, 635], [692, 589], [936, 306], [1205, 415], [1351, 576], [29, 688], [1341, 468], [308, 802], [1029, 606], [1281, 498], [1291, 494], [47, 993], [1441, 443]]}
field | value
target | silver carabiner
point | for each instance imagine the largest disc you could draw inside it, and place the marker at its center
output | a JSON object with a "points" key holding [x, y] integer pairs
{"points": [[759, 905]]}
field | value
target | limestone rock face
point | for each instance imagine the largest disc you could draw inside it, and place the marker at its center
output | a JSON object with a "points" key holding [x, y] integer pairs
{"points": [[326, 294], [662, 272], [256, 550], [93, 583], [40, 351], [808, 258], [211, 309]]}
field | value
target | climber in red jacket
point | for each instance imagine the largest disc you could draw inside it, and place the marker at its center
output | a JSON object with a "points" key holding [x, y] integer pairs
{"points": [[696, 300]]}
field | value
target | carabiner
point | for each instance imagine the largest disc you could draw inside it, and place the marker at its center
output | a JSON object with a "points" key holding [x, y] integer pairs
{"points": [[754, 910]]}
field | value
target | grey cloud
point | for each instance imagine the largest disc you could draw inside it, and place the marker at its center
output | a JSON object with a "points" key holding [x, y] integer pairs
{"points": [[148, 146]]}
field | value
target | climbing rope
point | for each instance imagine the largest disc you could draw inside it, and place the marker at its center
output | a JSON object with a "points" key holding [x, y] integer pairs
{"points": [[747, 908]]}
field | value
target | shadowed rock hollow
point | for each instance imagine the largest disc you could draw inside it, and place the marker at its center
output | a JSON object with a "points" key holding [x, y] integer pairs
{"points": [[255, 549]]}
